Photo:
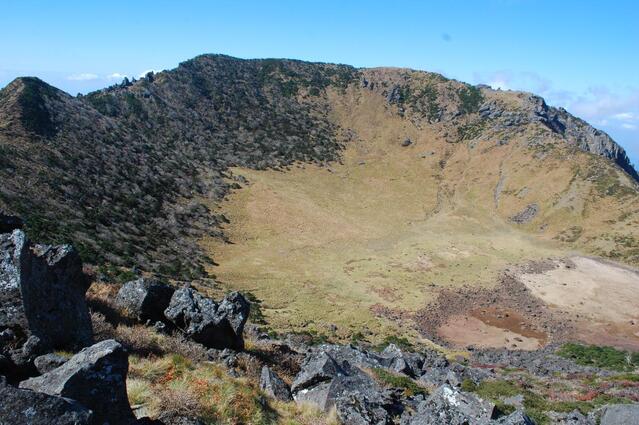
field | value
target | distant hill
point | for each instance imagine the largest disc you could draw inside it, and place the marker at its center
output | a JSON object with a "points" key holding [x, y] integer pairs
{"points": [[133, 174]]}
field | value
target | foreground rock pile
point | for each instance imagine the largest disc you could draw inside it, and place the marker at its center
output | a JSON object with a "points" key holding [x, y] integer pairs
{"points": [[43, 309]]}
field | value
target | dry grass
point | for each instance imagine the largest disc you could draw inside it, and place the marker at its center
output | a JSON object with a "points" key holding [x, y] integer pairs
{"points": [[173, 386], [367, 243]]}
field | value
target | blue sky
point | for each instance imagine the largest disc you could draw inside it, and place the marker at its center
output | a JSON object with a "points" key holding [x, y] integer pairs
{"points": [[582, 55]]}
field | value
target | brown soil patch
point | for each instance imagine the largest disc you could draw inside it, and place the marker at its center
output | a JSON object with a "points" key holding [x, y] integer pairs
{"points": [[508, 319], [506, 316], [462, 331]]}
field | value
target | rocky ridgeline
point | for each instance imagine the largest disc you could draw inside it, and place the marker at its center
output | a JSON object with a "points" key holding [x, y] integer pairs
{"points": [[42, 309], [122, 171]]}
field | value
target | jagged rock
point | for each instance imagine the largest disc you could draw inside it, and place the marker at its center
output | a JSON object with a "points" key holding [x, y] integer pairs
{"points": [[448, 405], [355, 409], [516, 418], [273, 385], [398, 361], [453, 374], [572, 418], [48, 362], [355, 395], [351, 354], [525, 215], [620, 414], [315, 370], [9, 223], [95, 377], [25, 407], [146, 299], [42, 304], [206, 322]]}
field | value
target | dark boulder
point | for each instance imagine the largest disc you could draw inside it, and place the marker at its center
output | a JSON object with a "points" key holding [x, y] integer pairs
{"points": [[96, 378], [9, 223], [273, 385], [316, 369], [571, 418], [25, 407], [145, 299], [620, 414], [48, 362], [516, 418], [42, 299], [207, 322], [356, 397], [447, 405], [399, 361]]}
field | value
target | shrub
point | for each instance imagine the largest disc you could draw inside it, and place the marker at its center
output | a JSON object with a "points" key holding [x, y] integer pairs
{"points": [[470, 98], [601, 357], [409, 386]]}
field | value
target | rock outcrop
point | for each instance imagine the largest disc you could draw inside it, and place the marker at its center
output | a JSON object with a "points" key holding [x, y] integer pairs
{"points": [[25, 407], [357, 398], [273, 385], [620, 414], [207, 322], [96, 378], [42, 299], [447, 405], [145, 299], [48, 362]]}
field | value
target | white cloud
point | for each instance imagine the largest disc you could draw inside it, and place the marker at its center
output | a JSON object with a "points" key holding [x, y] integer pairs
{"points": [[143, 73], [624, 116], [499, 84], [629, 126], [116, 76], [510, 80], [86, 76]]}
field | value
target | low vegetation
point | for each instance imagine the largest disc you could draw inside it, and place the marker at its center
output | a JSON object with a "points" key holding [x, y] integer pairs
{"points": [[389, 379], [172, 386], [601, 357]]}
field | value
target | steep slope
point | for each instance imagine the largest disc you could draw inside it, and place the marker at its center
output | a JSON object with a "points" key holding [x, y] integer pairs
{"points": [[358, 196], [118, 171]]}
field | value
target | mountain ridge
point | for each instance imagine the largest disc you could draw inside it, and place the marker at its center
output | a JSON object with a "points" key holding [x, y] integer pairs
{"points": [[121, 171]]}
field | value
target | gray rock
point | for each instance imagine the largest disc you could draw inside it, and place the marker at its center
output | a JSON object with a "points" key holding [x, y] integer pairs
{"points": [[620, 414], [447, 405], [399, 361], [204, 321], [351, 354], [355, 409], [525, 215], [516, 418], [407, 142], [48, 362], [356, 397], [273, 385], [42, 301], [25, 407], [95, 377], [146, 299], [572, 418], [316, 369]]}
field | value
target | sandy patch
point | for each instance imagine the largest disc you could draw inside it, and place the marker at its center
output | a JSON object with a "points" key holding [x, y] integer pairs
{"points": [[603, 297]]}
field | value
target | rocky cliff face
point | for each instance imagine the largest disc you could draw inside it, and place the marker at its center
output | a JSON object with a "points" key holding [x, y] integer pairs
{"points": [[122, 172]]}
